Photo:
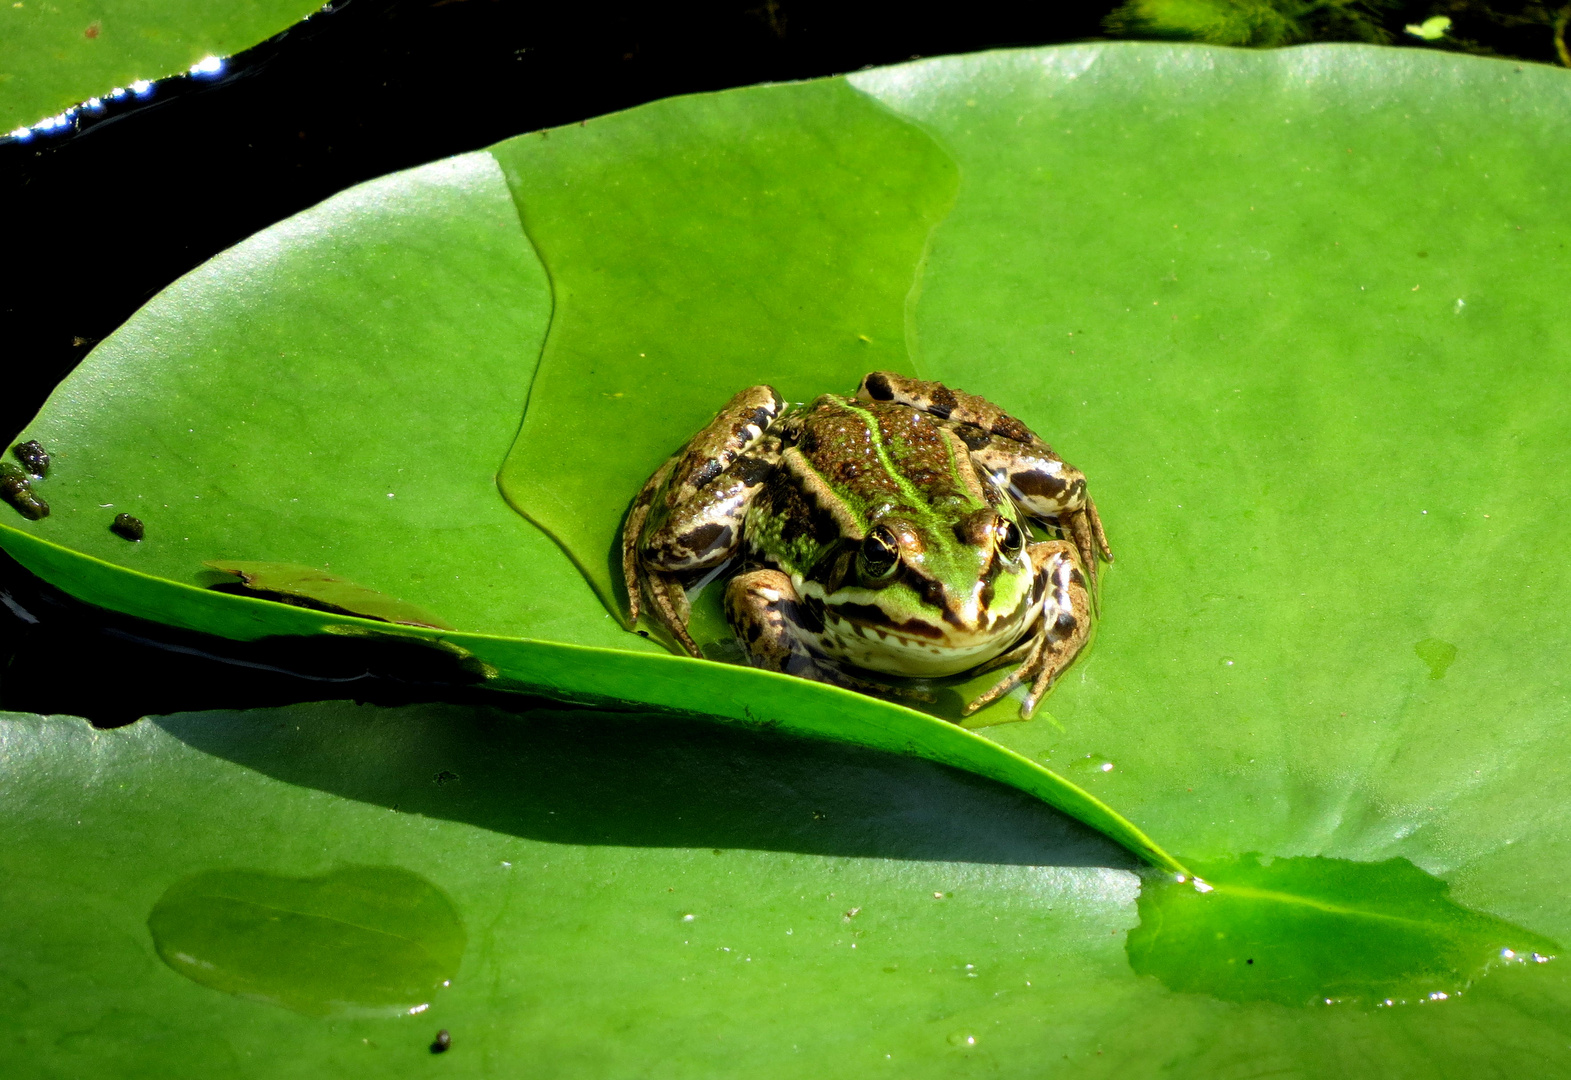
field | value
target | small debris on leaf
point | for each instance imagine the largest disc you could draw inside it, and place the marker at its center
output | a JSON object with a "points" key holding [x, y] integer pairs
{"points": [[33, 456], [16, 489], [127, 527]]}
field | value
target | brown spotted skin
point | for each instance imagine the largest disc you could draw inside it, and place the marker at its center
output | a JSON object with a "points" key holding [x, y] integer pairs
{"points": [[1041, 482], [882, 535]]}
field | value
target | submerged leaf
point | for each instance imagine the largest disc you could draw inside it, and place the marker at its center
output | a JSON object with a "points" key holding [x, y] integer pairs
{"points": [[360, 940], [291, 583], [794, 260], [1312, 931]]}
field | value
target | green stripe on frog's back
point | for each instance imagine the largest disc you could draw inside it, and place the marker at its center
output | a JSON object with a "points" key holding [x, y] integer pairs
{"points": [[854, 465], [886, 459]]}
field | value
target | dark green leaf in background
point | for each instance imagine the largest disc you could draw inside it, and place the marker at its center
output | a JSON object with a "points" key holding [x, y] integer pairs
{"points": [[56, 53]]}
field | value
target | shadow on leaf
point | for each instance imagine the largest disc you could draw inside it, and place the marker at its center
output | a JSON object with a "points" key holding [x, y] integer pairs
{"points": [[646, 780]]}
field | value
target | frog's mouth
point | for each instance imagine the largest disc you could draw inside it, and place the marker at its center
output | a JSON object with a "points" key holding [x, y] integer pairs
{"points": [[866, 636]]}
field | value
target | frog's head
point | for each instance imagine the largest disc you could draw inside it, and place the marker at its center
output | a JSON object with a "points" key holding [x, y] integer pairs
{"points": [[937, 594]]}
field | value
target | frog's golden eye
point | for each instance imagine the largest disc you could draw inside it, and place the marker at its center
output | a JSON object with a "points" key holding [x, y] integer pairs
{"points": [[880, 553], [1010, 539]]}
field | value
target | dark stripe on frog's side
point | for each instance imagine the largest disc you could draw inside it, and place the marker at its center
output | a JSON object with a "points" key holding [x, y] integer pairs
{"points": [[706, 538], [873, 616], [942, 402], [974, 437], [1039, 484], [753, 470], [803, 529]]}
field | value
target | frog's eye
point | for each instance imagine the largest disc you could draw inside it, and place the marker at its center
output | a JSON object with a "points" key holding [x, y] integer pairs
{"points": [[1010, 539], [880, 553]]}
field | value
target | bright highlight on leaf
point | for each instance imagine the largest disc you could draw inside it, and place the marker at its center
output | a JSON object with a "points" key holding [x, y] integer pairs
{"points": [[55, 55]]}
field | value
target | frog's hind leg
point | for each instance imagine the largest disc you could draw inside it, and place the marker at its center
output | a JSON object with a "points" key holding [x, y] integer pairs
{"points": [[939, 401], [1060, 632], [1046, 488], [687, 516], [632, 528]]}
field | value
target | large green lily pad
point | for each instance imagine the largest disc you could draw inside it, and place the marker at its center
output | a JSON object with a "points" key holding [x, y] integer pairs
{"points": [[622, 895], [1294, 313]]}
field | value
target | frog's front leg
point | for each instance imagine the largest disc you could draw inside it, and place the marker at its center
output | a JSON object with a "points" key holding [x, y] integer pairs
{"points": [[763, 608], [1058, 635], [775, 628], [688, 517]]}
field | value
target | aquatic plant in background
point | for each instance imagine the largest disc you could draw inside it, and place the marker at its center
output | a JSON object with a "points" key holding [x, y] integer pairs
{"points": [[1528, 28]]}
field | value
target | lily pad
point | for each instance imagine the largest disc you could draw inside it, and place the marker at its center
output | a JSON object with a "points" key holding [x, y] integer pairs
{"points": [[621, 890]]}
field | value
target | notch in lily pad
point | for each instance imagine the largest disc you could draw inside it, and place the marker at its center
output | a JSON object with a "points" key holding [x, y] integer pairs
{"points": [[306, 586]]}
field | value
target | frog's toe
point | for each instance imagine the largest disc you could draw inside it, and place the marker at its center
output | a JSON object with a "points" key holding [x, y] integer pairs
{"points": [[669, 601]]}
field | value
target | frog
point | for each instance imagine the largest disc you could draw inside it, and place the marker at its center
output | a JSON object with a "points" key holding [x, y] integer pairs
{"points": [[909, 531]]}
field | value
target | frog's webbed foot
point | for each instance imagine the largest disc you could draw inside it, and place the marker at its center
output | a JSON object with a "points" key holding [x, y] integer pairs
{"points": [[1059, 633], [763, 608], [668, 598], [1084, 527]]}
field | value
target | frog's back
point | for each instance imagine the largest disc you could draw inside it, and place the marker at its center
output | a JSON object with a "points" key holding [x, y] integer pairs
{"points": [[848, 464]]}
